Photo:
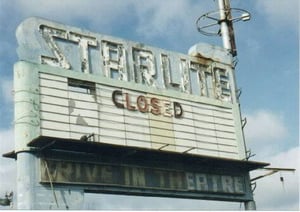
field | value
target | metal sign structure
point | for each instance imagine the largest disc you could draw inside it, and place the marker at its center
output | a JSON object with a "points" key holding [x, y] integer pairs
{"points": [[66, 172], [126, 93], [95, 113], [130, 171]]}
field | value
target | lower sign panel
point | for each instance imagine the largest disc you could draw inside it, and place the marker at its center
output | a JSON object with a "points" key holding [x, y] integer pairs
{"points": [[151, 181]]}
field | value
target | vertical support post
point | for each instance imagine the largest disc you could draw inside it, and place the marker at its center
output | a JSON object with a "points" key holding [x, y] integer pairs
{"points": [[229, 44], [250, 205], [224, 26], [27, 127], [227, 27], [25, 181]]}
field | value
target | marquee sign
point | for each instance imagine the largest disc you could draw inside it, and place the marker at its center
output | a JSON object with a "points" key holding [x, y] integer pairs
{"points": [[160, 181], [96, 113], [115, 175], [73, 83], [74, 49]]}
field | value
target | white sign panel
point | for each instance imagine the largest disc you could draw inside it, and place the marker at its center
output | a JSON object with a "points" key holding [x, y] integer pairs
{"points": [[124, 93]]}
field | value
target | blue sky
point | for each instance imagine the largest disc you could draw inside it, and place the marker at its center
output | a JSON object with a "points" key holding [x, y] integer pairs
{"points": [[267, 72]]}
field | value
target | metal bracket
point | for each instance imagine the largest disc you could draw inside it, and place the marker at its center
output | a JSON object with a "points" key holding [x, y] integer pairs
{"points": [[238, 93], [186, 151], [244, 122], [160, 148], [85, 138], [272, 171], [249, 154], [47, 146]]}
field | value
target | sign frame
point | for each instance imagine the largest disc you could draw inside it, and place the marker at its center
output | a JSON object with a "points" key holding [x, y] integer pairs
{"points": [[139, 159], [55, 59]]}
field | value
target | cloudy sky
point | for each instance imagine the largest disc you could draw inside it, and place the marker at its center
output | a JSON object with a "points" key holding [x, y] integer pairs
{"points": [[267, 72]]}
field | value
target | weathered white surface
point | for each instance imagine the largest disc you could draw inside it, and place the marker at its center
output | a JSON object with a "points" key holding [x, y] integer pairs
{"points": [[72, 92], [70, 114]]}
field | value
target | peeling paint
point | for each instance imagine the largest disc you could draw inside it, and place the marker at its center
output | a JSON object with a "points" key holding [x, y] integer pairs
{"points": [[81, 121], [72, 105]]}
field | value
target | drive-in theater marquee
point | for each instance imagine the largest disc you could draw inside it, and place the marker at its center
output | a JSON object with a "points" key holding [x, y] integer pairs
{"points": [[154, 122]]}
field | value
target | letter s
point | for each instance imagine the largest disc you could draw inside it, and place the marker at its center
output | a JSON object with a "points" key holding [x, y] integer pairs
{"points": [[155, 106]]}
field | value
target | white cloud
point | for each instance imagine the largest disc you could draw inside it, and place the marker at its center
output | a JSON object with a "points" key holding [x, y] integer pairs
{"points": [[167, 17], [7, 90], [171, 22], [280, 13], [96, 13], [267, 134], [151, 20], [6, 140], [272, 193], [264, 126]]}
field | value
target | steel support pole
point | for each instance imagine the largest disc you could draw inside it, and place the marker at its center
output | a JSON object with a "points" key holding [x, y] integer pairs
{"points": [[223, 6], [26, 173], [250, 205], [224, 26]]}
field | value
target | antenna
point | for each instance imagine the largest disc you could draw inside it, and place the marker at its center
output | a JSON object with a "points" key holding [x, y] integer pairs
{"points": [[220, 22]]}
